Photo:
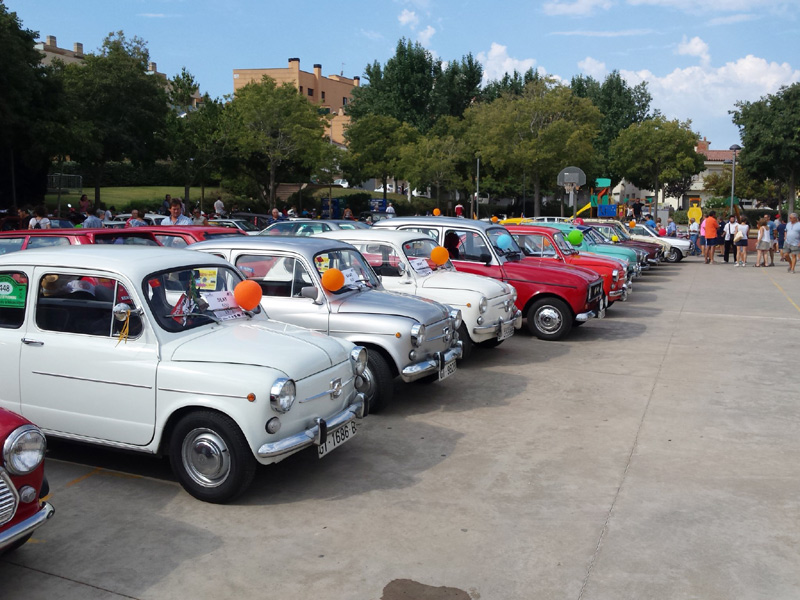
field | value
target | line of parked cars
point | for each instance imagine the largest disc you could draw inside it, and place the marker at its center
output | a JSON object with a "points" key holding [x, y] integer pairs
{"points": [[223, 351]]}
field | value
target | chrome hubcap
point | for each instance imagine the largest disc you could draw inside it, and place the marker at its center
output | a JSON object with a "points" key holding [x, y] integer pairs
{"points": [[367, 384], [548, 319], [206, 457]]}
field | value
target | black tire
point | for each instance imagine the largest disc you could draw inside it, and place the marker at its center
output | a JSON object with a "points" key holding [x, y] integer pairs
{"points": [[492, 343], [378, 386], [674, 255], [549, 319], [210, 456], [466, 342]]}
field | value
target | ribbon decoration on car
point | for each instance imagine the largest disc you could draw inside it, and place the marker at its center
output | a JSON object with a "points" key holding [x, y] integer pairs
{"points": [[126, 329]]}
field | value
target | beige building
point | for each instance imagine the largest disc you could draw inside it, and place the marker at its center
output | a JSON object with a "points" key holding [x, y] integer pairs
{"points": [[331, 93], [51, 51]]}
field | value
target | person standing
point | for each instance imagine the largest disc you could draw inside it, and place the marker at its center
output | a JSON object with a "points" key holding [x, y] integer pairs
{"points": [[780, 235], [276, 216], [741, 245], [175, 214], [166, 204], [694, 233], [198, 218], [84, 205], [791, 245], [134, 220], [763, 243], [39, 220], [703, 247], [460, 210], [729, 234], [390, 211], [637, 210], [672, 228], [95, 222], [650, 223], [711, 227], [219, 207], [772, 239]]}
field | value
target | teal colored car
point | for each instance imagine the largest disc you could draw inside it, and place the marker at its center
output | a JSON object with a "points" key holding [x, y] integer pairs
{"points": [[591, 243]]}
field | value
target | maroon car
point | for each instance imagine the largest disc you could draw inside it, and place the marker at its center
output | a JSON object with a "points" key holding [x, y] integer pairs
{"points": [[22, 481], [655, 253]]}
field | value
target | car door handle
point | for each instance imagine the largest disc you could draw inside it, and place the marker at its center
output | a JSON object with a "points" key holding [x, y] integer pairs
{"points": [[31, 342]]}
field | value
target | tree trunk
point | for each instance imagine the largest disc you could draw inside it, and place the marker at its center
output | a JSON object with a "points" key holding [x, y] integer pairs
{"points": [[186, 188], [272, 173], [792, 192], [537, 200]]}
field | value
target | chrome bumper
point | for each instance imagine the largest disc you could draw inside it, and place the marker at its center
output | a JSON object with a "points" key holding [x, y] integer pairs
{"points": [[23, 528], [585, 316], [653, 261], [316, 434], [498, 326], [431, 365], [617, 293]]}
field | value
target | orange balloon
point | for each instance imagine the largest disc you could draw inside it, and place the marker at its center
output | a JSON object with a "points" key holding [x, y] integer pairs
{"points": [[247, 294], [333, 280], [440, 255], [494, 219], [632, 224], [436, 212]]}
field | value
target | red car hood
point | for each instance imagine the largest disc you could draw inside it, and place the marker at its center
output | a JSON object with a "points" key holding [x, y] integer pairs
{"points": [[536, 269]]}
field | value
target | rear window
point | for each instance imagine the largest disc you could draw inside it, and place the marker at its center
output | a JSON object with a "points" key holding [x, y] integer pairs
{"points": [[36, 241], [8, 245], [214, 236]]}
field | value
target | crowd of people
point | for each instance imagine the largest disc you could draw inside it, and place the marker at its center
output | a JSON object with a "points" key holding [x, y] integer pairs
{"points": [[711, 238]]}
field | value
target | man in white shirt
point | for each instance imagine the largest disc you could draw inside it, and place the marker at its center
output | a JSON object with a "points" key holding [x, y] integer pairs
{"points": [[694, 231], [791, 245], [730, 231], [390, 211], [219, 207]]}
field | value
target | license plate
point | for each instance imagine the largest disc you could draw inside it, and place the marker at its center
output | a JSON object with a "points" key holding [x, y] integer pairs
{"points": [[337, 438], [506, 332], [447, 370]]}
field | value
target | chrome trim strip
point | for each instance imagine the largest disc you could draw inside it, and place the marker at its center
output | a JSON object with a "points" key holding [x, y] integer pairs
{"points": [[133, 385], [327, 392], [201, 393], [20, 530]]}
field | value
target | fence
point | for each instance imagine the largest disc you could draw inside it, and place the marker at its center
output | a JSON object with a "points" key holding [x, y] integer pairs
{"points": [[64, 182]]}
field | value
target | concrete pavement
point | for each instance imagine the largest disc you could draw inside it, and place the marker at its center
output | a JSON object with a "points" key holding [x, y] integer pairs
{"points": [[651, 455]]}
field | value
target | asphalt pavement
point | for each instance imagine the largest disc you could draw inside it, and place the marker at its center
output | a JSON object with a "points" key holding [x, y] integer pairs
{"points": [[653, 454]]}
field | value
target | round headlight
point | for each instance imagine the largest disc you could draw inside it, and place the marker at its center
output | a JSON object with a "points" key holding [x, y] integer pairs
{"points": [[455, 314], [483, 305], [514, 294], [282, 394], [23, 450], [358, 358], [417, 334]]}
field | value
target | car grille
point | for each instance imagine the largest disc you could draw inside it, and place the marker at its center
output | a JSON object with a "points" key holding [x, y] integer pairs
{"points": [[439, 335], [8, 498]]}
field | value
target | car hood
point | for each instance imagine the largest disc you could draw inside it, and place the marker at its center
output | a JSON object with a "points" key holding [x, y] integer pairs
{"points": [[296, 351], [591, 260], [463, 281], [383, 302], [532, 269]]}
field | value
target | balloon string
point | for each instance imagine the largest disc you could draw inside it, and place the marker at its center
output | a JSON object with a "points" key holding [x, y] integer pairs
{"points": [[126, 328]]}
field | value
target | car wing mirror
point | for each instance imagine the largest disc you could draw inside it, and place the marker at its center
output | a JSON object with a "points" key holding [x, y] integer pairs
{"points": [[122, 309], [311, 291], [486, 258]]}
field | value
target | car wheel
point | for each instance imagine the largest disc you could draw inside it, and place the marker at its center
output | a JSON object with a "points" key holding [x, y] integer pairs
{"points": [[211, 457], [549, 319], [674, 255], [377, 377], [466, 342], [492, 343]]}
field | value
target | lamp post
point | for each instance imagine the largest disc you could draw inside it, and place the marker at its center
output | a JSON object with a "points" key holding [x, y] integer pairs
{"points": [[735, 148]]}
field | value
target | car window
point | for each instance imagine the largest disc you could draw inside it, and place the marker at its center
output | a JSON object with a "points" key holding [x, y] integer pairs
{"points": [[312, 228], [11, 244], [13, 295], [383, 258], [536, 245], [127, 240], [357, 272], [43, 241], [171, 241], [434, 233], [278, 276], [419, 253], [466, 245], [71, 303]]}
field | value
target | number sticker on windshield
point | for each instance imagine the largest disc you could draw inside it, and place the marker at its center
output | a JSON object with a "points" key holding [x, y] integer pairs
{"points": [[421, 266], [350, 276]]}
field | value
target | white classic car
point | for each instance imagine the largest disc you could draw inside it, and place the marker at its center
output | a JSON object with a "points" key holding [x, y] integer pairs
{"points": [[156, 350], [403, 260]]}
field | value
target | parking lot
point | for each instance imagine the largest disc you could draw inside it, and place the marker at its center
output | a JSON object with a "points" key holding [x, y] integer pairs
{"points": [[653, 454]]}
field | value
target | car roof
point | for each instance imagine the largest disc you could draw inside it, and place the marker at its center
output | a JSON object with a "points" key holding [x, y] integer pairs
{"points": [[308, 245], [134, 261], [374, 234], [453, 222]]}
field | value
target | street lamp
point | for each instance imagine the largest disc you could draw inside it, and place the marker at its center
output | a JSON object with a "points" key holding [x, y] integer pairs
{"points": [[735, 148]]}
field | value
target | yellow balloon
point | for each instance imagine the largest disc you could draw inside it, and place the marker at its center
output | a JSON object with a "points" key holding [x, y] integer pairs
{"points": [[614, 239]]}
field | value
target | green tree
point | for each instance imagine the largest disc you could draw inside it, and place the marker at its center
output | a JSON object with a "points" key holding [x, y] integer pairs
{"points": [[414, 88], [621, 105], [656, 153], [432, 160], [770, 132], [374, 143], [535, 135], [118, 111], [270, 126], [510, 84]]}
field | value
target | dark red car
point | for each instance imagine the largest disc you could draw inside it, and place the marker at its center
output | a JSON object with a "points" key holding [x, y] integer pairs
{"points": [[22, 481]]}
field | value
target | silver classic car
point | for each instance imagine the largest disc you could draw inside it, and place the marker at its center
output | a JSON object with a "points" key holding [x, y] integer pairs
{"points": [[328, 286]]}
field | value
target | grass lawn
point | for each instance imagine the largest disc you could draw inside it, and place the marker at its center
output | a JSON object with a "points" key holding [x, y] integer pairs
{"points": [[122, 198]]}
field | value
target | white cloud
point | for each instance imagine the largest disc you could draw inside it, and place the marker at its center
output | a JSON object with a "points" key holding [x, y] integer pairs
{"points": [[497, 63], [706, 94], [593, 68], [372, 35], [605, 34], [694, 47], [731, 19], [424, 36], [575, 8], [408, 17]]}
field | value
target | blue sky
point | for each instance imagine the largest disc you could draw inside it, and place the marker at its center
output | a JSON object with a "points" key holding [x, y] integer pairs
{"points": [[698, 57]]}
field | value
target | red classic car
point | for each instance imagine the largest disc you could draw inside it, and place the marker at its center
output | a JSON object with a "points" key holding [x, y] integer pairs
{"points": [[22, 482], [552, 298], [156, 235], [548, 246]]}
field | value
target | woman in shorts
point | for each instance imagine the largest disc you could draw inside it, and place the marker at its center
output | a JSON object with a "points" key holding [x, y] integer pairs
{"points": [[763, 243], [742, 227]]}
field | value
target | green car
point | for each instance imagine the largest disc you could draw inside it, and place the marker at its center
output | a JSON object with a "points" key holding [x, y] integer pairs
{"points": [[593, 242]]}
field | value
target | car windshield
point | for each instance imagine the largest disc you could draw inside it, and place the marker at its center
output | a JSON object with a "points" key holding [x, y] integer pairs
{"points": [[592, 236], [189, 297], [418, 253], [563, 244], [649, 230], [357, 273], [246, 226], [621, 233], [507, 246]]}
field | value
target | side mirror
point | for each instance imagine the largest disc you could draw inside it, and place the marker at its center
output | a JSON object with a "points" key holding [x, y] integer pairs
{"points": [[121, 311], [311, 292], [486, 258]]}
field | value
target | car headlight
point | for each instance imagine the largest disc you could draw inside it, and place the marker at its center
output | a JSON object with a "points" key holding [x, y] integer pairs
{"points": [[417, 334], [483, 305], [358, 358], [282, 394], [615, 275], [455, 314], [514, 294], [23, 450]]}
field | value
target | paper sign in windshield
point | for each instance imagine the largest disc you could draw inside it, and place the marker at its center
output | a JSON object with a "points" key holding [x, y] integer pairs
{"points": [[12, 294], [206, 279], [350, 276], [220, 300], [421, 266]]}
